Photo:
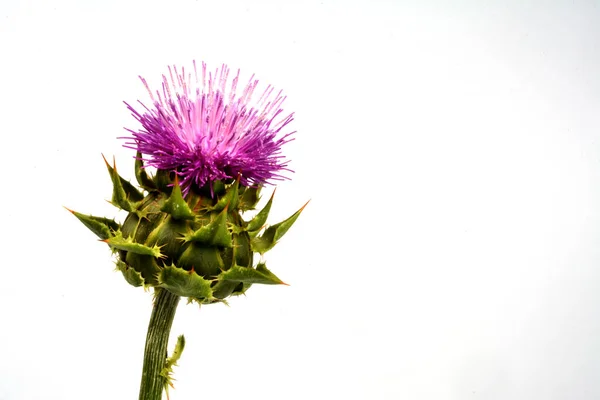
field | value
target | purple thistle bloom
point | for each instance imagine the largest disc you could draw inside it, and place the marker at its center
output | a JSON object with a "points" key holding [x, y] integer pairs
{"points": [[206, 133]]}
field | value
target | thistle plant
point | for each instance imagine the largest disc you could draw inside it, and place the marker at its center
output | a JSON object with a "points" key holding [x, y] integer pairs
{"points": [[211, 151]]}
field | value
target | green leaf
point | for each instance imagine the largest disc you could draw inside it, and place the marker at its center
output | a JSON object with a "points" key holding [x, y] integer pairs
{"points": [[249, 275], [272, 234], [184, 283], [241, 250], [261, 218], [140, 174], [241, 289], [144, 264], [176, 205], [163, 180], [104, 228], [230, 199], [205, 260], [167, 371], [172, 361], [224, 289], [119, 242], [132, 276], [125, 195], [214, 233], [249, 198]]}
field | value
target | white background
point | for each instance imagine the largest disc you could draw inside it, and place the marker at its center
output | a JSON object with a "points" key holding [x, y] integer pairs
{"points": [[450, 152]]}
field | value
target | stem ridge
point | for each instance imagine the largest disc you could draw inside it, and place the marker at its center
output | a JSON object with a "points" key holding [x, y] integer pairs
{"points": [[155, 353]]}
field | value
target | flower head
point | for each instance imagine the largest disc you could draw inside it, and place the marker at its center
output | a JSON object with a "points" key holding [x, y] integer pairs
{"points": [[200, 128]]}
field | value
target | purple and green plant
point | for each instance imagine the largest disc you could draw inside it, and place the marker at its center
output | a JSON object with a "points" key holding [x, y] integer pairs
{"points": [[211, 150]]}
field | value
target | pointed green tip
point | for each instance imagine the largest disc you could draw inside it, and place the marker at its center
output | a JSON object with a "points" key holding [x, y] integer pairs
{"points": [[176, 206], [230, 198], [104, 228], [258, 222], [127, 244], [114, 166], [273, 233], [141, 175], [214, 233], [259, 275], [125, 195]]}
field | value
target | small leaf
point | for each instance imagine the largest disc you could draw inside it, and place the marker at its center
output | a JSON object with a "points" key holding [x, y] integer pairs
{"points": [[214, 233], [272, 234], [179, 346], [140, 174], [224, 289], [144, 264], [104, 228], [230, 199], [167, 371], [242, 252], [205, 260], [241, 289], [119, 242], [133, 277], [184, 283], [249, 275], [176, 205], [261, 218], [124, 193], [249, 198], [163, 180]]}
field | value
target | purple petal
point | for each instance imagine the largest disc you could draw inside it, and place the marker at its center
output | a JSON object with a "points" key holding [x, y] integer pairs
{"points": [[205, 131]]}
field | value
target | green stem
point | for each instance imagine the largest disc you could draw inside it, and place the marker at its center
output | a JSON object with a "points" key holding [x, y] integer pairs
{"points": [[155, 353]]}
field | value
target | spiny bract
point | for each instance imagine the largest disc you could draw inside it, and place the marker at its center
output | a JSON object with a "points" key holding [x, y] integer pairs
{"points": [[197, 246]]}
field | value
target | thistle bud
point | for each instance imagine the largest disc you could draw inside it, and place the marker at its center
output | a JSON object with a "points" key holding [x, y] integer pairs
{"points": [[185, 230]]}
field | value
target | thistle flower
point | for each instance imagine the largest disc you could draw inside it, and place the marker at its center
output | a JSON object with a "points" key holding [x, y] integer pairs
{"points": [[184, 234], [206, 132]]}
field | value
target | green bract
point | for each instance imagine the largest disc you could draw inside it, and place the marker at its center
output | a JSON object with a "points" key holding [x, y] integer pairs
{"points": [[196, 246]]}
